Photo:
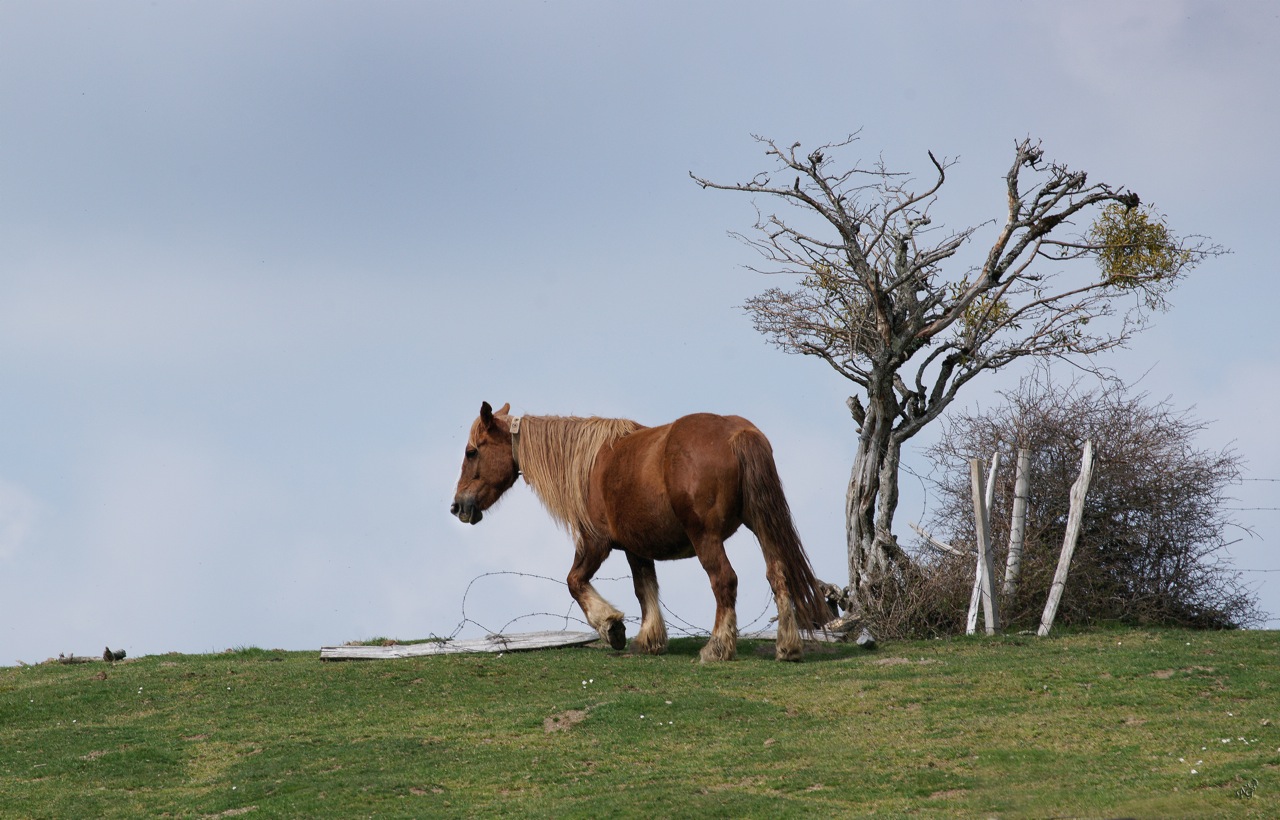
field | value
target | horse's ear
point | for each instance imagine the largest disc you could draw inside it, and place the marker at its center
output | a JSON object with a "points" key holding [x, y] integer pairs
{"points": [[505, 411], [486, 414]]}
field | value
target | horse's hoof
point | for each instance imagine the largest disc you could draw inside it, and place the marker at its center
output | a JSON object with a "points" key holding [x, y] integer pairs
{"points": [[617, 635], [718, 650], [790, 655], [639, 647]]}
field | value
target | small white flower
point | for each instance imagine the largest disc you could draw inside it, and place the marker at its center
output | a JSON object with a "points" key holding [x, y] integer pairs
{"points": [[1193, 771]]}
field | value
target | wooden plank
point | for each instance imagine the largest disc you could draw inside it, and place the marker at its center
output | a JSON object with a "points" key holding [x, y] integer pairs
{"points": [[805, 635], [942, 546], [512, 642]]}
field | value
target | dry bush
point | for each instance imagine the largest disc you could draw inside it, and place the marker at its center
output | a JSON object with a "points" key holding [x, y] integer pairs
{"points": [[1152, 545], [929, 601]]}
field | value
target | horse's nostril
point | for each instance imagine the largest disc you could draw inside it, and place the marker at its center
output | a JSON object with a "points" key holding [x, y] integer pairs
{"points": [[453, 508]]}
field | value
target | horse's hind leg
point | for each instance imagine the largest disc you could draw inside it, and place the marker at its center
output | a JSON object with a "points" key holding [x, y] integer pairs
{"points": [[602, 615], [788, 646], [652, 638], [723, 645]]}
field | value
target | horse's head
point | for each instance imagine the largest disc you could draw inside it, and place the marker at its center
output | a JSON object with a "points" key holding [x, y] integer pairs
{"points": [[489, 466]]}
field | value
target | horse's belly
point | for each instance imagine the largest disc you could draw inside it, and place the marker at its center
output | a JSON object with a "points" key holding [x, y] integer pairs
{"points": [[658, 535], [630, 489]]}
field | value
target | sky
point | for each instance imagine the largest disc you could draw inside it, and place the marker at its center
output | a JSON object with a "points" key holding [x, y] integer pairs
{"points": [[260, 263]]}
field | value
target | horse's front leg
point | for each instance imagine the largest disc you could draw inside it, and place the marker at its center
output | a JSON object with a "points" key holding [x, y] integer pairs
{"points": [[652, 638], [602, 615], [723, 645]]}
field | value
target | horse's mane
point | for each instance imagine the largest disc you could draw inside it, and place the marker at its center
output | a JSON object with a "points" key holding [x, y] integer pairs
{"points": [[556, 457]]}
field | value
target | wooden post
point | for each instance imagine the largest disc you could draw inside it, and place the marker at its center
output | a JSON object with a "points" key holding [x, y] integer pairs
{"points": [[981, 573], [975, 599], [990, 610], [1074, 520], [1018, 525], [975, 595]]}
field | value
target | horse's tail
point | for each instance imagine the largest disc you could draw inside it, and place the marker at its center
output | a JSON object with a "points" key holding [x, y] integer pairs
{"points": [[766, 513]]}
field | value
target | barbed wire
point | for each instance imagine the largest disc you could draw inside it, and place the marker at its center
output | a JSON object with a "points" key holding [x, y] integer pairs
{"points": [[680, 626], [675, 623]]}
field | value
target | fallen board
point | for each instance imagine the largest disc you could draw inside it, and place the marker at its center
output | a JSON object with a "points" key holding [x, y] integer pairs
{"points": [[805, 635], [514, 642]]}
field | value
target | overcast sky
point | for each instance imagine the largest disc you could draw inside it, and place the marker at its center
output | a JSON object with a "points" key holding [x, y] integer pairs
{"points": [[260, 262]]}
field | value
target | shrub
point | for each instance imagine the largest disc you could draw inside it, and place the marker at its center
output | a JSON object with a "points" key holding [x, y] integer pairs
{"points": [[1152, 546]]}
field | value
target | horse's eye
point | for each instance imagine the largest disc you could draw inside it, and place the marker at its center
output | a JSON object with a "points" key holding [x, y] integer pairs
{"points": [[472, 452]]}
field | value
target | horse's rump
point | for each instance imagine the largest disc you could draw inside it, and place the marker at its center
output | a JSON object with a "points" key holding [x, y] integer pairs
{"points": [[767, 514]]}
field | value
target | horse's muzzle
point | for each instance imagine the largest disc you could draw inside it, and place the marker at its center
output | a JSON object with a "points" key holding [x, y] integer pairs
{"points": [[467, 510]]}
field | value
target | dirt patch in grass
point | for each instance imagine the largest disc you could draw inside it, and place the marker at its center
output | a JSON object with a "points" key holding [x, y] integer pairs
{"points": [[564, 721], [756, 782]]}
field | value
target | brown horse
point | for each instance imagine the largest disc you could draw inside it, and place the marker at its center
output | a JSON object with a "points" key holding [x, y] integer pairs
{"points": [[656, 493]]}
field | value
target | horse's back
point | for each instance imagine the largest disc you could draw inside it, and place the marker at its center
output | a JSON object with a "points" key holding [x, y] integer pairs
{"points": [[699, 443], [661, 483]]}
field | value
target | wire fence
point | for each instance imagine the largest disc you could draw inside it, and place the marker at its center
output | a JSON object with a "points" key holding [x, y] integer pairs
{"points": [[675, 624]]}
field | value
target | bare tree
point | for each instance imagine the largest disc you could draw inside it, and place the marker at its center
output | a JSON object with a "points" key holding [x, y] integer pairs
{"points": [[875, 298]]}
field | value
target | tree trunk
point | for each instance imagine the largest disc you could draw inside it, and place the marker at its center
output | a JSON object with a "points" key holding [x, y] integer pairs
{"points": [[871, 501]]}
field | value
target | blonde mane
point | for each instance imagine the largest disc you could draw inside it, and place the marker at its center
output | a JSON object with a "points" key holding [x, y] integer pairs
{"points": [[556, 457]]}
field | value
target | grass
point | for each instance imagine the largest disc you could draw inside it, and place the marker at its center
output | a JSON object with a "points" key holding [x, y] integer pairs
{"points": [[1098, 724]]}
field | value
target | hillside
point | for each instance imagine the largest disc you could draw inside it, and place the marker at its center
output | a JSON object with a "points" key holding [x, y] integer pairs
{"points": [[1106, 723]]}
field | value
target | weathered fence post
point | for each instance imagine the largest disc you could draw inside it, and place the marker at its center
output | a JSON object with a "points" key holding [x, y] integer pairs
{"points": [[1074, 521], [982, 501], [1018, 524]]}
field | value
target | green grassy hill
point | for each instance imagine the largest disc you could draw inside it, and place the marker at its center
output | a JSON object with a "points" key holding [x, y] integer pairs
{"points": [[1099, 724]]}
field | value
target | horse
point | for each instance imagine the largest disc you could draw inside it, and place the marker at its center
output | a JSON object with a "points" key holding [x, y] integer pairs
{"points": [[655, 494]]}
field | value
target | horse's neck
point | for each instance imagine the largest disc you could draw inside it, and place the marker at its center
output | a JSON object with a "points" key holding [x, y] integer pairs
{"points": [[556, 457]]}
